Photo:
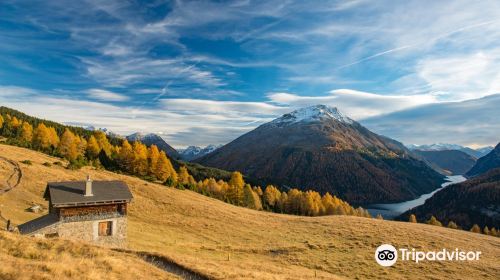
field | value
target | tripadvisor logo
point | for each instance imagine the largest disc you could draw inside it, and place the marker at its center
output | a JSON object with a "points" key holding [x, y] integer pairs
{"points": [[387, 255]]}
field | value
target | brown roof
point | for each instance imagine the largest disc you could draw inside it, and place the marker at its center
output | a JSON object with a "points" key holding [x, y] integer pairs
{"points": [[62, 194]]}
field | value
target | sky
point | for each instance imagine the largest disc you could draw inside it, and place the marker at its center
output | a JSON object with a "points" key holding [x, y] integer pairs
{"points": [[205, 72]]}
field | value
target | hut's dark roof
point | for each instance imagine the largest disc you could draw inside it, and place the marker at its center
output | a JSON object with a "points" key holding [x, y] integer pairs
{"points": [[38, 223], [72, 193]]}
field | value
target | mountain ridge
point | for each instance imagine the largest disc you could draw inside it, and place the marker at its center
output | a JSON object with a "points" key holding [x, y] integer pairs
{"points": [[328, 153]]}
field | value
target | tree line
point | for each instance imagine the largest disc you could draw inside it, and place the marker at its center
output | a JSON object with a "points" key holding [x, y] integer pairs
{"points": [[475, 228], [96, 149]]}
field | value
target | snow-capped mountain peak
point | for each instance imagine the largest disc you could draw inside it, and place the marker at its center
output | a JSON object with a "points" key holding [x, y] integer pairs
{"points": [[313, 113]]}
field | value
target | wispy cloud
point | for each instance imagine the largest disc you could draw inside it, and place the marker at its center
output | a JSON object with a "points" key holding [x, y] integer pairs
{"points": [[105, 95]]}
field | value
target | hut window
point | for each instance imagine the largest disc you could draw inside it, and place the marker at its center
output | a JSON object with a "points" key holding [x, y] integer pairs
{"points": [[105, 228]]}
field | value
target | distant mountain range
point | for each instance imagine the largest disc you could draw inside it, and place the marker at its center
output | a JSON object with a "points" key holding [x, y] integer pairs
{"points": [[474, 201], [477, 153], [194, 152], [453, 162], [321, 149], [486, 163], [155, 139]]}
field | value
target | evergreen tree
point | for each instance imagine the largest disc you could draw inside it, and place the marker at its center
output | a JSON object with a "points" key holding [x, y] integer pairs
{"points": [[493, 232], [475, 228], [1, 121], [125, 157], [412, 219], [271, 197]]}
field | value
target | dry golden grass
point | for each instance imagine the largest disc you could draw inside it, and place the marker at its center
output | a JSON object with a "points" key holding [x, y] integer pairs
{"points": [[32, 258], [230, 242]]}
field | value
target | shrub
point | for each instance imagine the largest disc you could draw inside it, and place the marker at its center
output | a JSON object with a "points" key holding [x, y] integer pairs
{"points": [[27, 162], [48, 164]]}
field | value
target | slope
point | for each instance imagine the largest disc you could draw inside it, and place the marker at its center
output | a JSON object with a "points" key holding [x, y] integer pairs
{"points": [[454, 161], [230, 242], [319, 148], [486, 163], [475, 201], [32, 258]]}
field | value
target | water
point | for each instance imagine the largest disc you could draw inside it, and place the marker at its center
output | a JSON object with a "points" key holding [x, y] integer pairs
{"points": [[392, 210]]}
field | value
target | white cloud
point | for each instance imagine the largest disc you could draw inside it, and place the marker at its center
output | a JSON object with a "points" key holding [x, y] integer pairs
{"points": [[105, 95], [356, 104], [461, 77]]}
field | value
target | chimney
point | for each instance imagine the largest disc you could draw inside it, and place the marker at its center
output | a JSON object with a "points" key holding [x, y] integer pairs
{"points": [[88, 187]]}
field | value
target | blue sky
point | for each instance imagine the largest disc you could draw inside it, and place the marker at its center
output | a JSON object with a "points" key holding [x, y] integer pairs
{"points": [[202, 72]]}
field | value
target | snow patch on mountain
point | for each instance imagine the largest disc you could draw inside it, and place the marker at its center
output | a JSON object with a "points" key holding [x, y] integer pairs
{"points": [[194, 152], [312, 114]]}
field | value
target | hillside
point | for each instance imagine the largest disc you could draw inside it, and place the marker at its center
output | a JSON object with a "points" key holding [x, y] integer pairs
{"points": [[454, 161], [319, 148], [231, 242], [476, 153], [32, 258], [486, 163], [474, 201], [154, 139]]}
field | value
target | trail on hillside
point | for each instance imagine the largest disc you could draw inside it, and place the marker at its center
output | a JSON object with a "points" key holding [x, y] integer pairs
{"points": [[14, 178], [168, 265]]}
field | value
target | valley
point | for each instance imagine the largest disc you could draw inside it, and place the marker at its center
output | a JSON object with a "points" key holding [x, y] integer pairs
{"points": [[226, 242]]}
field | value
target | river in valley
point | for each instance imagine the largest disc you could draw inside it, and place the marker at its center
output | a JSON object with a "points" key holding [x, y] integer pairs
{"points": [[391, 210]]}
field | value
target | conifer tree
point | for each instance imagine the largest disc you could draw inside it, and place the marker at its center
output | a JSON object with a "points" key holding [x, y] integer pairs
{"points": [[475, 228], [412, 219], [102, 141], [486, 230], [53, 137], [153, 156], [1, 121], [15, 123], [68, 147], [493, 232], [236, 184], [92, 147], [41, 137], [140, 163], [271, 196], [251, 199], [452, 225], [27, 132], [125, 156], [184, 177], [435, 222], [379, 217], [164, 170]]}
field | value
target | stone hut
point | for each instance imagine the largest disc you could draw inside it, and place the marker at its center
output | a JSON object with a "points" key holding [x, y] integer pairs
{"points": [[93, 211]]}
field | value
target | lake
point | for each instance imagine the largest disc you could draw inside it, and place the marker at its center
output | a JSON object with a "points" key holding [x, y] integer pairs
{"points": [[391, 210]]}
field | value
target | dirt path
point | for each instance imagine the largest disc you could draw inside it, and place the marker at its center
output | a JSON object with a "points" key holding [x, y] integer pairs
{"points": [[169, 265], [14, 178]]}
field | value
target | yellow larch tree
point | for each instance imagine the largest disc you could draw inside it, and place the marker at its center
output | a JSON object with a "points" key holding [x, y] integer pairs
{"points": [[26, 132]]}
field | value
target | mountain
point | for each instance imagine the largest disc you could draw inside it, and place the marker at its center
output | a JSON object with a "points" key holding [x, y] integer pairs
{"points": [[488, 162], [171, 222], [474, 201], [194, 152], [154, 139], [319, 148], [477, 153], [454, 161]]}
